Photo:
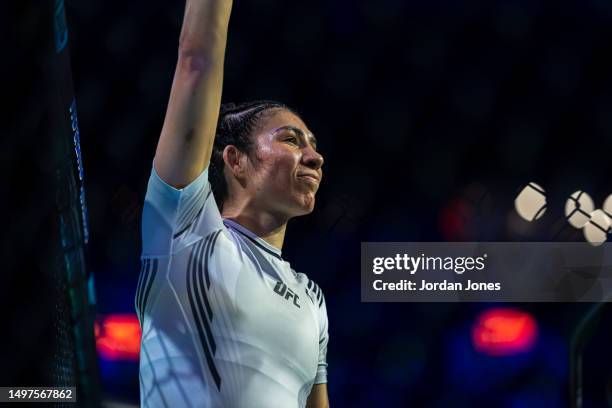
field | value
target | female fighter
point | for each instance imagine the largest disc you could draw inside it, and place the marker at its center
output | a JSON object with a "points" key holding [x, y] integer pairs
{"points": [[225, 319]]}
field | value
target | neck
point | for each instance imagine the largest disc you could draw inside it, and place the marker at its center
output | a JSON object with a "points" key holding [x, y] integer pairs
{"points": [[269, 227]]}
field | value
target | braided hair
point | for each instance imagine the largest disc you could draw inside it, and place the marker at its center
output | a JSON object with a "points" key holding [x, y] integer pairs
{"points": [[236, 124]]}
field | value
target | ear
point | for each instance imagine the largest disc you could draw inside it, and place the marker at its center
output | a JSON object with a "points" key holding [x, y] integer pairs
{"points": [[235, 161]]}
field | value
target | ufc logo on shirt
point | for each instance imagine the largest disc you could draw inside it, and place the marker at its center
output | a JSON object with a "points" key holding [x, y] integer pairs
{"points": [[286, 292]]}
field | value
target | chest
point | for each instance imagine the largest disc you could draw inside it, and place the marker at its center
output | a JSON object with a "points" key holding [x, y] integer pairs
{"points": [[276, 315]]}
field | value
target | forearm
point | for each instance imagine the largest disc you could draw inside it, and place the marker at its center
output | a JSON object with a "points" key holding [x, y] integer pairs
{"points": [[185, 144], [204, 29], [318, 397]]}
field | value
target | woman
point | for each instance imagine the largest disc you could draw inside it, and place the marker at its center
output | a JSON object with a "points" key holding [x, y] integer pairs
{"points": [[225, 320]]}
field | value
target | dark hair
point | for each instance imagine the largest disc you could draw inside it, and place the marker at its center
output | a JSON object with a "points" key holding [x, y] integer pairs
{"points": [[235, 127]]}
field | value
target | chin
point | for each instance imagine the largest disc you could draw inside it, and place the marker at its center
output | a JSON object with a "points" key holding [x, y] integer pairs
{"points": [[298, 212], [305, 206]]}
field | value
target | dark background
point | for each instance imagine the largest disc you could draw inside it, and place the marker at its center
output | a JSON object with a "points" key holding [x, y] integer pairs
{"points": [[431, 117]]}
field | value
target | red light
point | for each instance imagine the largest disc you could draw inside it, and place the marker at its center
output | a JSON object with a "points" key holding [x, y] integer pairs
{"points": [[453, 220], [504, 332], [118, 337]]}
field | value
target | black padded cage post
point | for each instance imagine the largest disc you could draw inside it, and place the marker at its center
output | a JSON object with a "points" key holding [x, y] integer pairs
{"points": [[46, 290]]}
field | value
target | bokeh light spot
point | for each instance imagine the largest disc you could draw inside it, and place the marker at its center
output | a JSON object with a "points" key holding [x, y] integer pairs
{"points": [[118, 337], [504, 332]]}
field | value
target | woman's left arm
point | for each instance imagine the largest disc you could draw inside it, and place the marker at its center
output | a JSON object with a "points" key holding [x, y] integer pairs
{"points": [[318, 397]]}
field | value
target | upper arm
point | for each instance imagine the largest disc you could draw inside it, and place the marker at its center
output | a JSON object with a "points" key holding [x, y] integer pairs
{"points": [[318, 397], [188, 132], [321, 375]]}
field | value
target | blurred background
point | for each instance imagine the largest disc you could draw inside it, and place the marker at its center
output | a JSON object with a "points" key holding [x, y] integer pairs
{"points": [[431, 117]]}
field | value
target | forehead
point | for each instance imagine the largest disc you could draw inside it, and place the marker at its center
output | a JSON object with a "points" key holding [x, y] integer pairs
{"points": [[281, 117]]}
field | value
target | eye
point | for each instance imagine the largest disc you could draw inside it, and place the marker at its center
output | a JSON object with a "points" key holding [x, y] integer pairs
{"points": [[292, 139]]}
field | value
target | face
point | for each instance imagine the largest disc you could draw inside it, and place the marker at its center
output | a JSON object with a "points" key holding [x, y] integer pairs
{"points": [[284, 168]]}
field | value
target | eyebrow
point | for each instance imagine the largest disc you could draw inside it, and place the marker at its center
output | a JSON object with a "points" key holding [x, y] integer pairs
{"points": [[299, 132]]}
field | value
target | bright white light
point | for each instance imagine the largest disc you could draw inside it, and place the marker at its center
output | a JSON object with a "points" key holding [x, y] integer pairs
{"points": [[530, 204], [578, 209], [595, 231], [607, 207]]}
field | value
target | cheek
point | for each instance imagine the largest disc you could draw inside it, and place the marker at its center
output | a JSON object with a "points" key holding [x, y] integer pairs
{"points": [[276, 164]]}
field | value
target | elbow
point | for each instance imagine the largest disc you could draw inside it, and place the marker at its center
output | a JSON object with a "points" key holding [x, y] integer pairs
{"points": [[203, 34], [194, 56], [208, 45], [193, 61]]}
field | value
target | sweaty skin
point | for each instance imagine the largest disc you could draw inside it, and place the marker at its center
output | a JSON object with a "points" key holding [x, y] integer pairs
{"points": [[277, 181]]}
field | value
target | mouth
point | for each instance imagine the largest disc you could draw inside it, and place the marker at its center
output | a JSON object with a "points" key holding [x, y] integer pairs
{"points": [[310, 178]]}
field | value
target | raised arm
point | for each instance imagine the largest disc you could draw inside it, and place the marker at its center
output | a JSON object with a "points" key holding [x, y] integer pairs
{"points": [[187, 136]]}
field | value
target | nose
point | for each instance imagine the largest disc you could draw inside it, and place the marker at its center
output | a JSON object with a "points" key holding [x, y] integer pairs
{"points": [[311, 158]]}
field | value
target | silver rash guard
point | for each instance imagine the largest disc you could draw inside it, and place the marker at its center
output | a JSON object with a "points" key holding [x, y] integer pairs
{"points": [[225, 320]]}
